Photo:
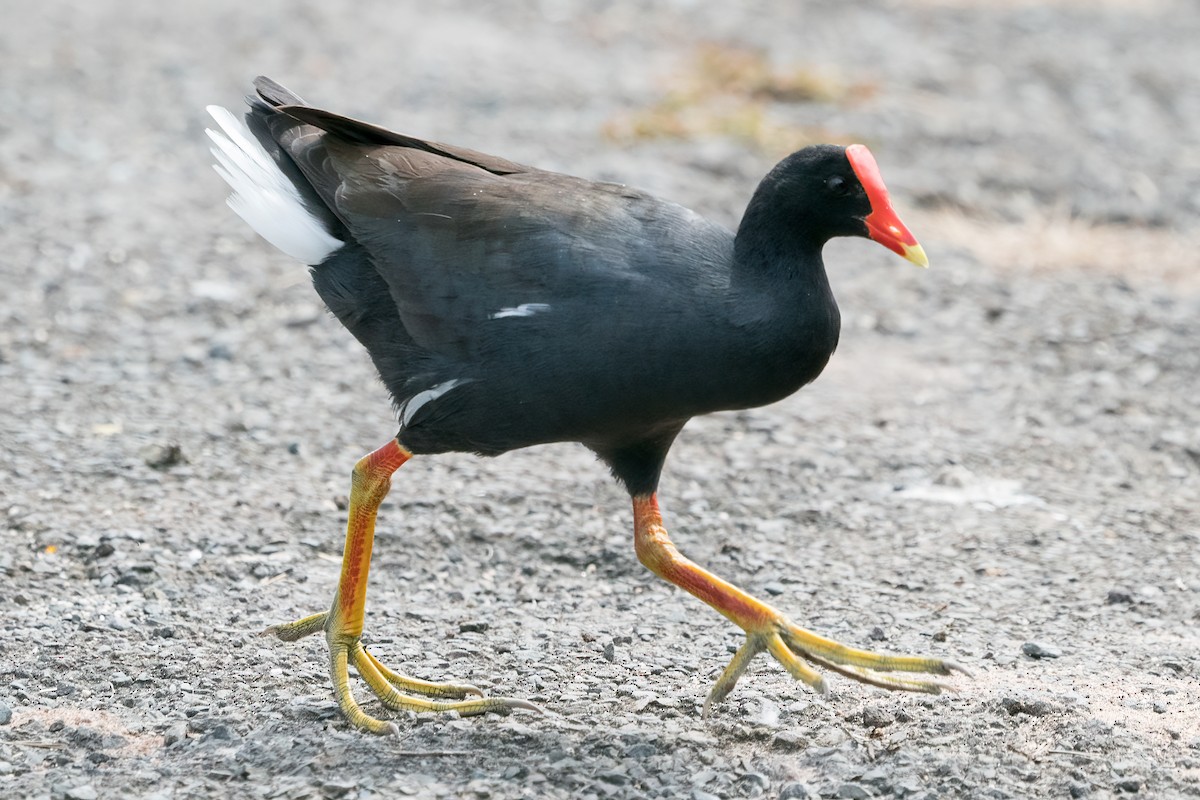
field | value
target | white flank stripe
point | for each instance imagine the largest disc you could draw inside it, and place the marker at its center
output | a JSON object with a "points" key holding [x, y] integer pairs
{"points": [[523, 310], [413, 404], [262, 194]]}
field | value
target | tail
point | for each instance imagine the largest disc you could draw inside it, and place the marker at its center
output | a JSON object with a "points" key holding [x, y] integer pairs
{"points": [[269, 191]]}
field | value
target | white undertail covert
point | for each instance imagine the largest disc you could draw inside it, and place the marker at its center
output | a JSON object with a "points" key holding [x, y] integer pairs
{"points": [[262, 194]]}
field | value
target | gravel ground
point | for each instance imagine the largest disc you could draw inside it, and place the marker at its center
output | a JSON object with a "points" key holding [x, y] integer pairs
{"points": [[1000, 466]]}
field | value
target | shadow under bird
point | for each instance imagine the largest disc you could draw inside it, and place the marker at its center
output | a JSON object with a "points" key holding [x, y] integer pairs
{"points": [[506, 306]]}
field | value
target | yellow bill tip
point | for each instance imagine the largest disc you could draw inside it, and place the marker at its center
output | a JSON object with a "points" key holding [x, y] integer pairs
{"points": [[916, 254]]}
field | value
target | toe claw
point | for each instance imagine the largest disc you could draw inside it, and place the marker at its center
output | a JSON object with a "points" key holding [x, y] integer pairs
{"points": [[525, 705], [951, 667]]}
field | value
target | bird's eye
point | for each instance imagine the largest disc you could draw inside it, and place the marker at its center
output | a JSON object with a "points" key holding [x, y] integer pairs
{"points": [[837, 185]]}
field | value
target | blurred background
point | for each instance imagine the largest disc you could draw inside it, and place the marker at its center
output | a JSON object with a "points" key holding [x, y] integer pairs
{"points": [[1005, 450]]}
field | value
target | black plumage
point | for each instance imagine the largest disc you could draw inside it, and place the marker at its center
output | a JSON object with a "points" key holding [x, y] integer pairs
{"points": [[506, 306], [653, 314]]}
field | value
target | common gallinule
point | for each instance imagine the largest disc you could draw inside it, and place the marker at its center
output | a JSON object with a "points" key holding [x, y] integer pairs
{"points": [[505, 306]]}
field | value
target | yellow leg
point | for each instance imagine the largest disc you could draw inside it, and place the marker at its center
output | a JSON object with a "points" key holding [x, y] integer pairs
{"points": [[767, 629], [343, 623]]}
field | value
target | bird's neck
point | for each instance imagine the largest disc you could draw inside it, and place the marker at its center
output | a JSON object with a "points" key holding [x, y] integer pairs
{"points": [[783, 300], [777, 267]]}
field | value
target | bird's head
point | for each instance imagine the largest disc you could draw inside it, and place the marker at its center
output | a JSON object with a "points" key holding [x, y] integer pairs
{"points": [[836, 191]]}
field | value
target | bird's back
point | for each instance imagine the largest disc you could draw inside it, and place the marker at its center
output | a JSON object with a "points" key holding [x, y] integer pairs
{"points": [[558, 307]]}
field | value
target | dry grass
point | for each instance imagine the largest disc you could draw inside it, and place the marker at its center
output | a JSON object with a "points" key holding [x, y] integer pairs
{"points": [[728, 91]]}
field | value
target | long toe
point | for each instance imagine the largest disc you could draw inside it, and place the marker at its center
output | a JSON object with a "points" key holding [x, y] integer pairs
{"points": [[792, 646], [384, 687]]}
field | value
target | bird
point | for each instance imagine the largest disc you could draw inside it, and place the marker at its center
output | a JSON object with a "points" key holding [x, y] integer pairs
{"points": [[505, 306]]}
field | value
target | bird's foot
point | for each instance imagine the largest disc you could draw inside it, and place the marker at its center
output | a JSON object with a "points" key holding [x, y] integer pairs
{"points": [[792, 646], [397, 692]]}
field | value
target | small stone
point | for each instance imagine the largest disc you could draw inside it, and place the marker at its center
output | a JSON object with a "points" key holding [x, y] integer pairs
{"points": [[774, 588], [700, 794], [877, 634], [852, 791], [641, 750], [222, 733], [1116, 596], [615, 777], [337, 788], [767, 715], [1039, 650], [220, 352], [473, 626], [84, 792], [1078, 790], [610, 652], [163, 456], [789, 741], [175, 733], [1132, 785], [755, 783], [697, 737], [794, 791], [120, 679], [1032, 707], [5, 714], [103, 550], [877, 716], [881, 779]]}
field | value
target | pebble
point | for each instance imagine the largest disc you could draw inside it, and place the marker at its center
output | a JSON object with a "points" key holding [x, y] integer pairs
{"points": [[615, 777], [5, 714], [880, 779], [1039, 650], [163, 456], [794, 791], [1032, 707], [176, 733], [697, 737], [84, 792], [789, 740], [1132, 785], [641, 750], [877, 715], [337, 788]]}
